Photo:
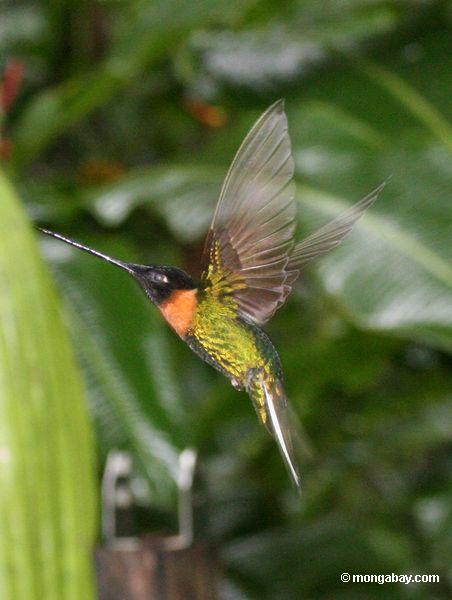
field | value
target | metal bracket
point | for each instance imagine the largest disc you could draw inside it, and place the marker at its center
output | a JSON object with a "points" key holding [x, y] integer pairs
{"points": [[118, 499]]}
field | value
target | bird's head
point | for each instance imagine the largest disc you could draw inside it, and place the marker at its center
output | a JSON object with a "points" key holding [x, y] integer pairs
{"points": [[160, 282]]}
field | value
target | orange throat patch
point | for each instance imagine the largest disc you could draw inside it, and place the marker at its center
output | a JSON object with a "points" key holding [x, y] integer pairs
{"points": [[179, 310]]}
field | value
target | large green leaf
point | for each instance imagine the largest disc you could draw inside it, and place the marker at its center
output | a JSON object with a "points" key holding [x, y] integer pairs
{"points": [[387, 277], [47, 514]]}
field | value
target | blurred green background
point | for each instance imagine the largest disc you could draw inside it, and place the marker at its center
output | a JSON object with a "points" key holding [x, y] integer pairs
{"points": [[118, 122]]}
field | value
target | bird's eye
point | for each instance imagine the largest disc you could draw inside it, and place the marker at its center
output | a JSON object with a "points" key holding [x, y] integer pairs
{"points": [[160, 278]]}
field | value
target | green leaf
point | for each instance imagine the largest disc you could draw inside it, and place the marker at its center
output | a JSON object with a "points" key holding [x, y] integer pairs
{"points": [[184, 195], [146, 35], [386, 277], [47, 494], [419, 106]]}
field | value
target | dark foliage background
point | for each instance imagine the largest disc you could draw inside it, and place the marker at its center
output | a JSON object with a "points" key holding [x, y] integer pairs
{"points": [[119, 122]]}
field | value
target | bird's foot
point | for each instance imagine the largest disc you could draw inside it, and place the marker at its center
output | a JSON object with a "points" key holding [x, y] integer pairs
{"points": [[237, 384]]}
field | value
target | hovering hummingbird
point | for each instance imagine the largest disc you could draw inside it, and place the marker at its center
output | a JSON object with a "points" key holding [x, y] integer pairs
{"points": [[250, 265]]}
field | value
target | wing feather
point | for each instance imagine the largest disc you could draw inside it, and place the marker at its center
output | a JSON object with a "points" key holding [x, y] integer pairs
{"points": [[249, 254], [330, 235], [249, 241]]}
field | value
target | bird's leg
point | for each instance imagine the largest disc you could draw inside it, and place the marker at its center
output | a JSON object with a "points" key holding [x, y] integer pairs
{"points": [[237, 384]]}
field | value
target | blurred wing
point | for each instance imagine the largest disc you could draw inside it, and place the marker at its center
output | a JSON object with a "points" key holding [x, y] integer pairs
{"points": [[251, 235], [329, 236]]}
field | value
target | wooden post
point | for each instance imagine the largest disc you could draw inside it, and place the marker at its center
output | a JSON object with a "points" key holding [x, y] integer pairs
{"points": [[156, 568]]}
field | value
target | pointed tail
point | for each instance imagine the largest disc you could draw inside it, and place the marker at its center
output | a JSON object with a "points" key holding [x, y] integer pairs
{"points": [[270, 401]]}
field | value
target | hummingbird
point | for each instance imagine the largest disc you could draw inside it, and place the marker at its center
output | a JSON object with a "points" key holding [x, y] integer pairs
{"points": [[250, 264]]}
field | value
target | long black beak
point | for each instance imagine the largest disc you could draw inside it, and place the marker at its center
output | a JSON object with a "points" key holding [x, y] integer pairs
{"points": [[130, 268]]}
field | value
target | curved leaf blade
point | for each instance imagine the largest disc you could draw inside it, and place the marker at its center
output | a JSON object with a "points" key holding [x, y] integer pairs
{"points": [[47, 495]]}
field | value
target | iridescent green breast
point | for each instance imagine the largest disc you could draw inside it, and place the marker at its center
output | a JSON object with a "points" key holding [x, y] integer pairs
{"points": [[228, 342]]}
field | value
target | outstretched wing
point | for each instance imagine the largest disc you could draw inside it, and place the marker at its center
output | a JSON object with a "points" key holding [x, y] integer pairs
{"points": [[251, 236], [329, 236], [249, 255]]}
